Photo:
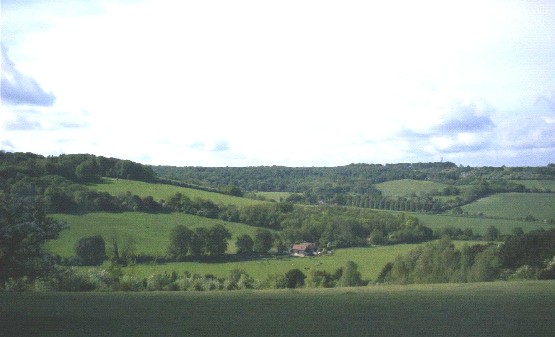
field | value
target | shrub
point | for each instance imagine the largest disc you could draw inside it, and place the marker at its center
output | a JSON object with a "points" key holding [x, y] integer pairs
{"points": [[91, 250]]}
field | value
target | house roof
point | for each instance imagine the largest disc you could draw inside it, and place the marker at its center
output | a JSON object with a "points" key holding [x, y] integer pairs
{"points": [[303, 246]]}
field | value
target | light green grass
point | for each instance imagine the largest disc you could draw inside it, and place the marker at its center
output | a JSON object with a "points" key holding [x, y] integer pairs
{"points": [[164, 192], [405, 187], [540, 185], [480, 309], [478, 225], [515, 205], [150, 231], [369, 260]]}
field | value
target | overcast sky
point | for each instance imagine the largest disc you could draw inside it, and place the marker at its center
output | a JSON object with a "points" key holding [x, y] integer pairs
{"points": [[295, 83]]}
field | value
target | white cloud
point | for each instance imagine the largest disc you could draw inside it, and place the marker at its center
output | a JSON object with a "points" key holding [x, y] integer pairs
{"points": [[289, 82]]}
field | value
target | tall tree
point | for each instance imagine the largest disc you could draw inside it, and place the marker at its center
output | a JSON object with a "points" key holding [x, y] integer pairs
{"points": [[91, 250], [244, 245], [262, 241], [24, 228], [217, 240], [180, 242]]}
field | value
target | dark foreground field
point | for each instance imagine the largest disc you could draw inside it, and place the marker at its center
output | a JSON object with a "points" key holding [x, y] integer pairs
{"points": [[486, 309]]}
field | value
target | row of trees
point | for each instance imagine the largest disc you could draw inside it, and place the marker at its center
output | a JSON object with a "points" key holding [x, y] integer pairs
{"points": [[529, 256], [110, 277], [75, 167]]}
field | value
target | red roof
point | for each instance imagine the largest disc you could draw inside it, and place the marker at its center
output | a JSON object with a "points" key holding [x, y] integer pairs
{"points": [[304, 246]]}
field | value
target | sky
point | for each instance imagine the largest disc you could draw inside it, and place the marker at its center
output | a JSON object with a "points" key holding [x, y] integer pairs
{"points": [[289, 82]]}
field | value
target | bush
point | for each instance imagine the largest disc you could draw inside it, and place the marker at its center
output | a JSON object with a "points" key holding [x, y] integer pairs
{"points": [[91, 250]]}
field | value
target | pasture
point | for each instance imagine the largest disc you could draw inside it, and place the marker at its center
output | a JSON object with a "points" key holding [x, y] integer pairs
{"points": [[539, 185], [515, 205], [480, 309], [370, 262], [479, 225], [150, 231], [164, 192]]}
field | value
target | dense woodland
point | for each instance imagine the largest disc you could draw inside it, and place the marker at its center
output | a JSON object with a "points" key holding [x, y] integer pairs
{"points": [[354, 184], [33, 186]]}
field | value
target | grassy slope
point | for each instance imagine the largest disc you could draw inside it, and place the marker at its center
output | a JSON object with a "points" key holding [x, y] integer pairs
{"points": [[541, 185], [151, 231], [478, 225], [483, 309], [515, 205], [164, 192]]}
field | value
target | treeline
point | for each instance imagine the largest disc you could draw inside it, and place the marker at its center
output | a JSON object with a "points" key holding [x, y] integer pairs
{"points": [[74, 167], [353, 178], [110, 277], [523, 256]]}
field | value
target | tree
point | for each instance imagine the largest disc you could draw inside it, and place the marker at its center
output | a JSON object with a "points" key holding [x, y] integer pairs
{"points": [[198, 242], [351, 276], [217, 240], [180, 242], [295, 278], [244, 245], [91, 250], [24, 228], [492, 234], [262, 241]]}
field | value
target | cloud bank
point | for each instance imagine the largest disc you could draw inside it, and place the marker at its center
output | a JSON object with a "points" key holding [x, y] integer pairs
{"points": [[21, 89]]}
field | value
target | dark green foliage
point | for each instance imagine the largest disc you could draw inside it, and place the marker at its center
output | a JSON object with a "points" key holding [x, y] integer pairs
{"points": [[492, 234], [320, 279], [180, 241], [440, 262], [244, 244], [24, 228], [198, 246], [91, 250], [351, 276], [217, 240], [295, 278], [532, 249], [262, 241]]}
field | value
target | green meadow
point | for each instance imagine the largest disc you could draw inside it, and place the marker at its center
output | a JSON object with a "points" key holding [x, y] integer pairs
{"points": [[479, 225], [540, 185], [164, 191], [515, 205], [478, 309], [370, 262], [150, 231]]}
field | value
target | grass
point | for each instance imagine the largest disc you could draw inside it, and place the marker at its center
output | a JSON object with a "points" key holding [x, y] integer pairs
{"points": [[370, 262], [540, 185], [481, 309], [478, 225], [164, 192], [150, 231], [405, 187], [515, 205]]}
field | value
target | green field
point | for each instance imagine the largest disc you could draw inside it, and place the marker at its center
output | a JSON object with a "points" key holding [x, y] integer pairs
{"points": [[540, 185], [370, 262], [405, 187], [150, 231], [479, 309], [515, 205], [164, 192], [478, 225]]}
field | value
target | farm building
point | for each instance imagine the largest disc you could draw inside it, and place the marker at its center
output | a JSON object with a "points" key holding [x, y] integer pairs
{"points": [[304, 249]]}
